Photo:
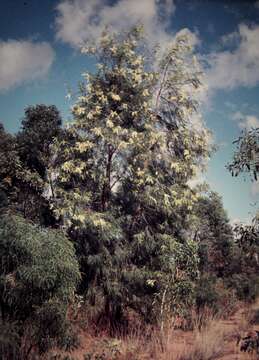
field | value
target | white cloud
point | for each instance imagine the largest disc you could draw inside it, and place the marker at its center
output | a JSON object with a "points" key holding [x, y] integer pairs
{"points": [[249, 122], [193, 38], [246, 122], [229, 69], [22, 61], [80, 20], [255, 188]]}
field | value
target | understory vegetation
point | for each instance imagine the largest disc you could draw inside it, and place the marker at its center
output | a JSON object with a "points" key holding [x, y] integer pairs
{"points": [[102, 228]]}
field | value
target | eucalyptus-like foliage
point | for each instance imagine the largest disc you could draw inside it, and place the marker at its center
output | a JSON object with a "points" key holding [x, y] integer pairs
{"points": [[122, 175], [246, 160], [246, 156], [37, 267]]}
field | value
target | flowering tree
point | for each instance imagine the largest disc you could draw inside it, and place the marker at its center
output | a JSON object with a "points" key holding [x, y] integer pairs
{"points": [[122, 176]]}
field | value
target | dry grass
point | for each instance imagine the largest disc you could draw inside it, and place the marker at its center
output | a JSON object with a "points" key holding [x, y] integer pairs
{"points": [[208, 343], [211, 338], [203, 343]]}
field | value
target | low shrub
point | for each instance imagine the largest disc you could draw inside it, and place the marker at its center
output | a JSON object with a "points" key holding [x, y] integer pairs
{"points": [[38, 276]]}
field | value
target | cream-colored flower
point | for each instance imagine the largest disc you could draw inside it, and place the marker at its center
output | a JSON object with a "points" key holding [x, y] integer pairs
{"points": [[113, 49], [83, 146], [113, 114], [137, 61], [97, 131], [79, 110], [109, 123], [137, 78], [98, 110], [115, 97], [90, 115]]}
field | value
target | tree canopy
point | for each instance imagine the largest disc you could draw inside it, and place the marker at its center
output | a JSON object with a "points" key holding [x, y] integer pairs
{"points": [[122, 175]]}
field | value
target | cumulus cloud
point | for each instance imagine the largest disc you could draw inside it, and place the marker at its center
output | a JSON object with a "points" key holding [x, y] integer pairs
{"points": [[80, 20], [255, 188], [22, 61], [246, 122], [229, 69]]}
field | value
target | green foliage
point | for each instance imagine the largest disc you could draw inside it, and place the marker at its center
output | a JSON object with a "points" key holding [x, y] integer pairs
{"points": [[38, 276], [206, 293], [40, 126], [246, 156], [12, 175], [21, 188], [245, 264], [52, 328], [215, 235]]}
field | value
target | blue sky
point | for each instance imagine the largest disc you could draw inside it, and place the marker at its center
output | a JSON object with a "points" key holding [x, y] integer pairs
{"points": [[40, 60]]}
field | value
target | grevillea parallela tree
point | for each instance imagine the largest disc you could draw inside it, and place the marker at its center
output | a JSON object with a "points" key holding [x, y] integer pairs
{"points": [[122, 174]]}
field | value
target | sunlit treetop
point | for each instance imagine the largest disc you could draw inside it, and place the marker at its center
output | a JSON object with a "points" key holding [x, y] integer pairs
{"points": [[133, 120]]}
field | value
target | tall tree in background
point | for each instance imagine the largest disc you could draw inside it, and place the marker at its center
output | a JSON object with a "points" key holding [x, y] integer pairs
{"points": [[214, 234], [24, 160], [15, 179], [245, 263], [41, 124], [246, 159], [9, 166], [122, 176]]}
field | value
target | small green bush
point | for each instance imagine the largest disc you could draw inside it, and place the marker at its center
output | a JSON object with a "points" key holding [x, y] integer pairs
{"points": [[52, 328], [38, 276]]}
